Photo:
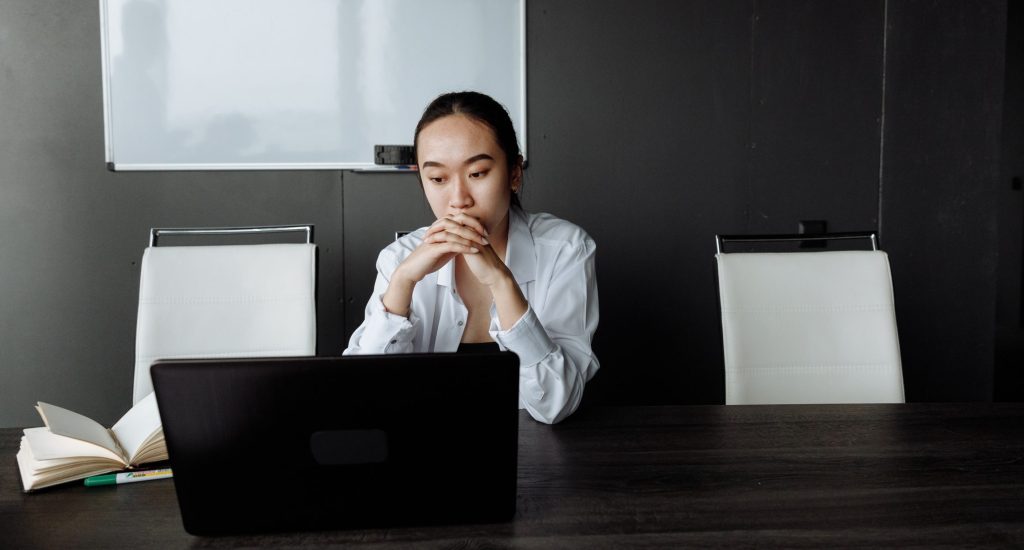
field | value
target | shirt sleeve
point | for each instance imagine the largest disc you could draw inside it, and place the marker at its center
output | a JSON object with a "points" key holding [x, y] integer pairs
{"points": [[382, 332], [553, 339]]}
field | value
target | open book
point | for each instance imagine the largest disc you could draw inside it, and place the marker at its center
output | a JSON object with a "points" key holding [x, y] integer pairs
{"points": [[73, 447]]}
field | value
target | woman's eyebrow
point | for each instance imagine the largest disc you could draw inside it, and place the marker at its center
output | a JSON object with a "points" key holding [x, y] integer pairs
{"points": [[470, 160], [481, 156]]}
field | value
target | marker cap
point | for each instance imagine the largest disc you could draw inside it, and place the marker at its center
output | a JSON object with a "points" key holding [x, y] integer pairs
{"points": [[94, 481]]}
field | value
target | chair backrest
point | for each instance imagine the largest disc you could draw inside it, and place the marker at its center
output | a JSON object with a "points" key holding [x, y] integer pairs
{"points": [[809, 327], [254, 300]]}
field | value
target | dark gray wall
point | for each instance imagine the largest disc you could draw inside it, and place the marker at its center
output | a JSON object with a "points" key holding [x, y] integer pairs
{"points": [[1009, 373], [709, 117], [943, 118], [639, 133], [654, 125]]}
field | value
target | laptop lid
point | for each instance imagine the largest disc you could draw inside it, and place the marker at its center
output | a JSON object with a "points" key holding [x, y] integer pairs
{"points": [[341, 442]]}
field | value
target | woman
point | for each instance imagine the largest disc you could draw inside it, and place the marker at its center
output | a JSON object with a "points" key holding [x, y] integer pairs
{"points": [[486, 274]]}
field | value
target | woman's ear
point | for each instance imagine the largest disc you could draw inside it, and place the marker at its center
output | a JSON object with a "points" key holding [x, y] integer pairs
{"points": [[516, 177]]}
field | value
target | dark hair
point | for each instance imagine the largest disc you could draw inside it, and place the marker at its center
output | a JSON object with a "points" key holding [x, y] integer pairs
{"points": [[482, 108]]}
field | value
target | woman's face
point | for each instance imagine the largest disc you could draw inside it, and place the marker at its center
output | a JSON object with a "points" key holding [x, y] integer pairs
{"points": [[463, 169]]}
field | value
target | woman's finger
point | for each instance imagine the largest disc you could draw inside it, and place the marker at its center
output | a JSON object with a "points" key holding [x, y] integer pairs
{"points": [[458, 248], [449, 237], [465, 231], [469, 221]]}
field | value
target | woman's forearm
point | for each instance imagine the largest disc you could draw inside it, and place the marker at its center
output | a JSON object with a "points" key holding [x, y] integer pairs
{"points": [[398, 297], [509, 301]]}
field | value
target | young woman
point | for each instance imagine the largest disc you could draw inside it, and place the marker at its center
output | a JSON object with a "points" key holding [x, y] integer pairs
{"points": [[486, 274]]}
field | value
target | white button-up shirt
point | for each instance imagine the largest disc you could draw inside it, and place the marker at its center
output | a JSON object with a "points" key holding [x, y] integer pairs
{"points": [[552, 260]]}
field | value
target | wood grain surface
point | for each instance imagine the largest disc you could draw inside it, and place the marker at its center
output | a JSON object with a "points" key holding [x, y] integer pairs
{"points": [[807, 476]]}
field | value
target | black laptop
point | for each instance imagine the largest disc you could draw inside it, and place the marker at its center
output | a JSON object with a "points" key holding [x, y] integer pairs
{"points": [[343, 442]]}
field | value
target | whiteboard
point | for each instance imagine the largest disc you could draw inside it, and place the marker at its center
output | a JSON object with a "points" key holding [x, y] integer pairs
{"points": [[301, 84]]}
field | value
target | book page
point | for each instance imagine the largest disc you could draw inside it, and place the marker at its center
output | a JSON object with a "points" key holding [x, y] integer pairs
{"points": [[71, 424], [153, 450], [36, 474], [47, 445], [137, 426]]}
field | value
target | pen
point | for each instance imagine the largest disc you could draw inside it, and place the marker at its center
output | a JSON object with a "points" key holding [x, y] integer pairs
{"points": [[127, 477]]}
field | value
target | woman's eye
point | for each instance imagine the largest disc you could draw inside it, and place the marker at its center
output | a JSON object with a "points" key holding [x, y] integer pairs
{"points": [[476, 175], [436, 179]]}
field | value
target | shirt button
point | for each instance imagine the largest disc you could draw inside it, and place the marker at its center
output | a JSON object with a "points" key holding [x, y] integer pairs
{"points": [[459, 323], [394, 341]]}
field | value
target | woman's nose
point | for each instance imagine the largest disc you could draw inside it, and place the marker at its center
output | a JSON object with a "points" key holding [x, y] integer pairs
{"points": [[460, 197]]}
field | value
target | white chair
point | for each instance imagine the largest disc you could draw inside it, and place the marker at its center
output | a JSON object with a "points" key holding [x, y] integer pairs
{"points": [[256, 300], [808, 327]]}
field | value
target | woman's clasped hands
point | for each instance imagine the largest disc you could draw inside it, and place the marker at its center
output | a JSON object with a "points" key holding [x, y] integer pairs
{"points": [[454, 234]]}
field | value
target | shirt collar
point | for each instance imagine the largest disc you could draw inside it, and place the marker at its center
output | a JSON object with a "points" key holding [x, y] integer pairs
{"points": [[520, 256]]}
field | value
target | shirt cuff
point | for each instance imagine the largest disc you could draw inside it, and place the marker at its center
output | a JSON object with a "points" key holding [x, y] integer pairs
{"points": [[392, 333], [526, 337]]}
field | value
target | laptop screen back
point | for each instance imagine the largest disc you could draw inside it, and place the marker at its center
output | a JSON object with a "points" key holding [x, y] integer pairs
{"points": [[344, 442]]}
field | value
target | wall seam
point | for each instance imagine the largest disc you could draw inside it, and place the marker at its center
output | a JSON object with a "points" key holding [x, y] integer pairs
{"points": [[881, 118], [344, 280], [751, 146]]}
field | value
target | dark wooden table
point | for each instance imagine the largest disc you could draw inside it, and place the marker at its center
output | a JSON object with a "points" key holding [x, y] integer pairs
{"points": [[926, 475]]}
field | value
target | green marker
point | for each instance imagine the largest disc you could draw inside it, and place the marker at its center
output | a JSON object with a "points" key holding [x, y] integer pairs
{"points": [[127, 477]]}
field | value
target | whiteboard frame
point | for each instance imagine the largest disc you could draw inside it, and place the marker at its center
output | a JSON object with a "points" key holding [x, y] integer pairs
{"points": [[114, 166]]}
